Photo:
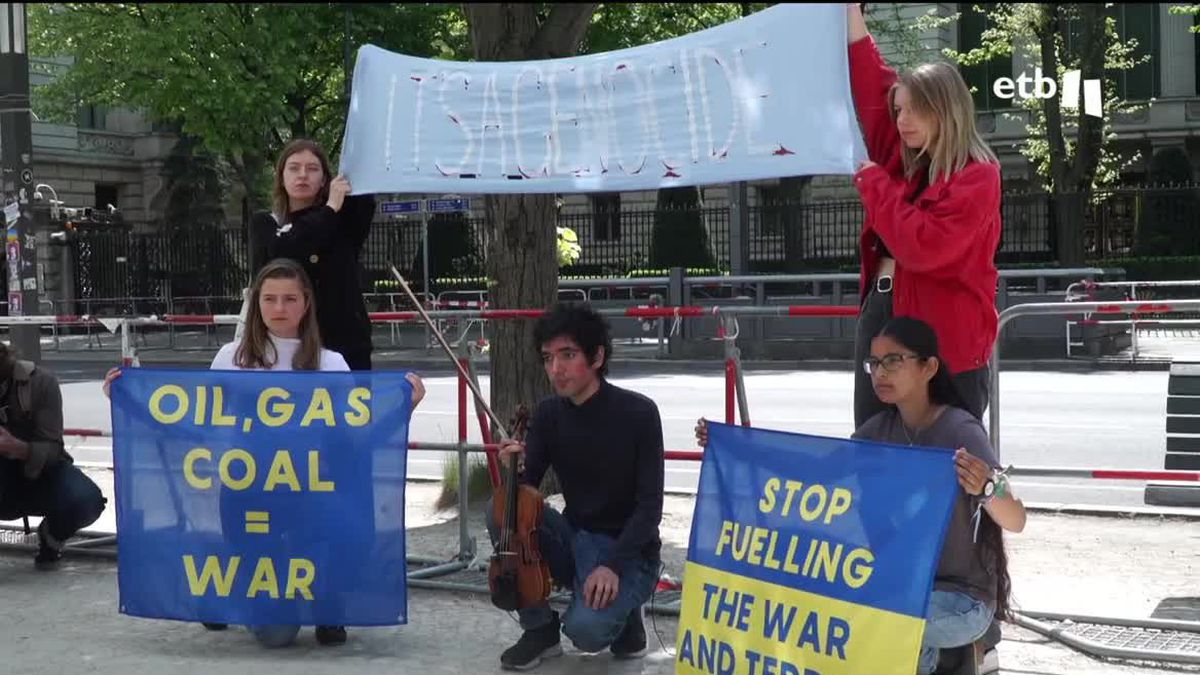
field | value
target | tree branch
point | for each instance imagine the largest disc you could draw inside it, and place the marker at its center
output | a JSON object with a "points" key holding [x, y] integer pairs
{"points": [[1047, 29], [500, 31], [563, 31], [1090, 129]]}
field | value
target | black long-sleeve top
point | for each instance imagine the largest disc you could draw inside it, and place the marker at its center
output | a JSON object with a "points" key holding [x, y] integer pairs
{"points": [[328, 244], [608, 455]]}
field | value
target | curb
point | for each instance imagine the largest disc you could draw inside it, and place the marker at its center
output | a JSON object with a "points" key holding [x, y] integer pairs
{"points": [[439, 363], [1132, 512]]}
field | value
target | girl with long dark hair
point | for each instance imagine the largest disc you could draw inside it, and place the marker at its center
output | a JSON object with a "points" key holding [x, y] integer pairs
{"points": [[923, 407]]}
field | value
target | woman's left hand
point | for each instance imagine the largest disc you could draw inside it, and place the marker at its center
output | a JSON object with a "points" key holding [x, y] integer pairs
{"points": [[338, 189], [865, 164], [418, 388], [973, 473]]}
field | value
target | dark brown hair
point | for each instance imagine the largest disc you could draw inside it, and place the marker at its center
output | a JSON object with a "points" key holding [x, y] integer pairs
{"points": [[256, 341], [279, 199]]}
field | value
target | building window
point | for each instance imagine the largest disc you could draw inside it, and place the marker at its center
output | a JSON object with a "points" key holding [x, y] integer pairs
{"points": [[1133, 22], [92, 117], [770, 210], [979, 78], [106, 194], [1139, 22], [606, 216]]}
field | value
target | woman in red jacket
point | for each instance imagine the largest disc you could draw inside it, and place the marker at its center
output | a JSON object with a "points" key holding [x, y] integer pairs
{"points": [[931, 193]]}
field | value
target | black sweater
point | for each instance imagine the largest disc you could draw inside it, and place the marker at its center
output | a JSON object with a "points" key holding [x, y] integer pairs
{"points": [[328, 244], [608, 454]]}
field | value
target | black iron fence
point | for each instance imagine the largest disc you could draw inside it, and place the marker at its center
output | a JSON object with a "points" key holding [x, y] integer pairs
{"points": [[1116, 223]]}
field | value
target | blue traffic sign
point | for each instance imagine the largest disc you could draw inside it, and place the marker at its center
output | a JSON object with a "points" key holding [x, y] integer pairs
{"points": [[447, 205], [401, 207]]}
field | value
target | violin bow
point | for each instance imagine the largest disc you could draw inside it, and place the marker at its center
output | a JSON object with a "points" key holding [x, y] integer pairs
{"points": [[500, 428]]}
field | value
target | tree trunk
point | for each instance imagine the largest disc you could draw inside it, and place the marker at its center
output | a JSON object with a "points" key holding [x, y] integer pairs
{"points": [[1072, 172], [522, 252], [523, 273]]}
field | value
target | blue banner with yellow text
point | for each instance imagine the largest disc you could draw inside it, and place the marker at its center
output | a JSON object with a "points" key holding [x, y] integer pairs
{"points": [[258, 498], [811, 555]]}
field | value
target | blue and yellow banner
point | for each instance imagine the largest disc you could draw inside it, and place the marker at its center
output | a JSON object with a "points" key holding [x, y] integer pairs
{"points": [[811, 555], [261, 497]]}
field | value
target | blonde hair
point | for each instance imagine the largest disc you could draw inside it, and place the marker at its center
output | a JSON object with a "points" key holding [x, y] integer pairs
{"points": [[937, 91], [256, 341]]}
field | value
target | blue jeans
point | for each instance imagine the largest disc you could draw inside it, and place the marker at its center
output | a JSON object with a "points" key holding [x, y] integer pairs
{"points": [[954, 620], [68, 499], [572, 555]]}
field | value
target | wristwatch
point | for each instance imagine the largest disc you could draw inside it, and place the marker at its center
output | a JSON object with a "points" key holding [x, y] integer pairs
{"points": [[995, 486], [989, 490]]}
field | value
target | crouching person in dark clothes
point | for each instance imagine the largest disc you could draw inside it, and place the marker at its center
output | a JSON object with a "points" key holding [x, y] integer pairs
{"points": [[37, 476], [605, 444]]}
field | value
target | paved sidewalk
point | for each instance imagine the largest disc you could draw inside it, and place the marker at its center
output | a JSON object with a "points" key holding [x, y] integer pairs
{"points": [[67, 622]]}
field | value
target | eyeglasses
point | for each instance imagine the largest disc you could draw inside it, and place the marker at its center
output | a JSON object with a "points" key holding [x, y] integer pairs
{"points": [[891, 362]]}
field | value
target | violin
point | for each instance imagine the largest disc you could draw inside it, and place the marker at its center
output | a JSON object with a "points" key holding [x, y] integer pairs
{"points": [[518, 575]]}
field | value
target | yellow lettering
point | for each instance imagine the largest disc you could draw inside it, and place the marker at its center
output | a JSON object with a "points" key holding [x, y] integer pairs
{"points": [[189, 468], [741, 544], [792, 488], [810, 558], [789, 564], [828, 556], [838, 504], [301, 574], [770, 561], [228, 458], [201, 405], [315, 484], [726, 537], [212, 572], [279, 413], [219, 418], [807, 512], [767, 503], [757, 543], [156, 400], [282, 471], [362, 413], [264, 580], [858, 567], [320, 407]]}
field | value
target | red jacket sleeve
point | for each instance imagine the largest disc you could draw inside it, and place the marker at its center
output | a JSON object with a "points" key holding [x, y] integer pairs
{"points": [[927, 236], [870, 80]]}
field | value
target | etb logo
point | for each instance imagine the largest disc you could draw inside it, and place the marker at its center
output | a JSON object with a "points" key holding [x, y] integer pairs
{"points": [[1045, 87]]}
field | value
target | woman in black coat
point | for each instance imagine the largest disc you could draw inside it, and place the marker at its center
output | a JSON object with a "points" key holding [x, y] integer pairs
{"points": [[315, 222]]}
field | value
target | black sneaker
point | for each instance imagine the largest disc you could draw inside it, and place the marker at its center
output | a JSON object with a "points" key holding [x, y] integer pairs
{"points": [[331, 635], [216, 626], [49, 551], [533, 646], [631, 641]]}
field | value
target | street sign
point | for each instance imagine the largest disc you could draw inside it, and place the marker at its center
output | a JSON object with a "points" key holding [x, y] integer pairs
{"points": [[390, 208], [447, 205]]}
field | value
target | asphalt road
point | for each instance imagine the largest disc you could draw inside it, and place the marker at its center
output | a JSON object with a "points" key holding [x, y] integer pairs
{"points": [[1092, 420]]}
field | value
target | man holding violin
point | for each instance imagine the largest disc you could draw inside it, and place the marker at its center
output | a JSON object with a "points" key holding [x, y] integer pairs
{"points": [[605, 444]]}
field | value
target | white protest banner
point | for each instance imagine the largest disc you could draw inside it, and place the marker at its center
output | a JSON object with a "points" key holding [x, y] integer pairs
{"points": [[762, 97]]}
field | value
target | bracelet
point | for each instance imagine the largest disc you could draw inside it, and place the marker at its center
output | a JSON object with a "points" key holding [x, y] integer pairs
{"points": [[1000, 477]]}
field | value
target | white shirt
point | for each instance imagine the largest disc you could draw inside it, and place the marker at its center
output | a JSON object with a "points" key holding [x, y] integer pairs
{"points": [[285, 350]]}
